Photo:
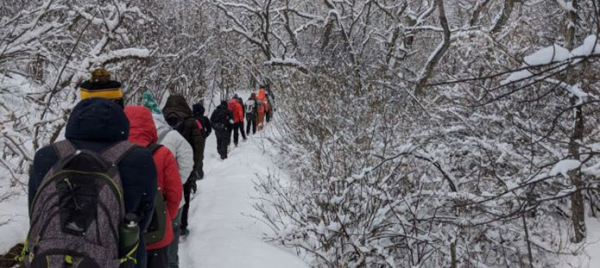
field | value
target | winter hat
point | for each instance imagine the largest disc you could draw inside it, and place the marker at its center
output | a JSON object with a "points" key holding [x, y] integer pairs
{"points": [[151, 103], [198, 109], [100, 86]]}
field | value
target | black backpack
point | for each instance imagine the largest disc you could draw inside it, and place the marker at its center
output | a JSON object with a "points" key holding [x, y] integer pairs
{"points": [[78, 210], [158, 225], [178, 123], [220, 118]]}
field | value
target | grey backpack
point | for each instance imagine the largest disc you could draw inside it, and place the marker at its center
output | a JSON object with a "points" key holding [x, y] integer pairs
{"points": [[78, 210]]}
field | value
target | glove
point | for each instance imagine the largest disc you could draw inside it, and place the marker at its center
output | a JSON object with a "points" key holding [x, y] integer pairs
{"points": [[193, 187], [231, 121]]}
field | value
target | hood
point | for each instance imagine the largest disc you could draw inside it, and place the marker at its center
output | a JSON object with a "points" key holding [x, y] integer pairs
{"points": [[160, 122], [261, 95], [97, 119], [150, 102], [142, 130], [198, 109], [223, 106], [178, 105]]}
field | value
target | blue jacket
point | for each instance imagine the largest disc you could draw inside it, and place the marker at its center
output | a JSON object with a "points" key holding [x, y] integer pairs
{"points": [[95, 124]]}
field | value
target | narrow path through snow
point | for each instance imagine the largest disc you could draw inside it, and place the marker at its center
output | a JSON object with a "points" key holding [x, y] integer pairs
{"points": [[222, 232]]}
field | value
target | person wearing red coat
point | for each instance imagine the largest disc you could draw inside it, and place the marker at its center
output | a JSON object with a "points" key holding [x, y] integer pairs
{"points": [[142, 131], [237, 110], [263, 108]]}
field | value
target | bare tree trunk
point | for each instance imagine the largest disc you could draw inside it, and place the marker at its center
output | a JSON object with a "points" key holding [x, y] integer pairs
{"points": [[441, 50], [577, 204], [506, 11], [453, 255], [529, 252]]}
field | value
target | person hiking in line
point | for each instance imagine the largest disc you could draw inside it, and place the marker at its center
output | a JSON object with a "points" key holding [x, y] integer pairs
{"points": [[142, 132], [199, 110], [251, 114], [179, 116], [241, 102], [220, 119], [184, 155], [269, 108], [261, 100], [96, 143], [238, 120]]}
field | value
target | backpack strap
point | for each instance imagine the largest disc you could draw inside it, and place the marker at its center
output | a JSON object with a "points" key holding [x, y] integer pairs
{"points": [[118, 151], [64, 148], [154, 147]]}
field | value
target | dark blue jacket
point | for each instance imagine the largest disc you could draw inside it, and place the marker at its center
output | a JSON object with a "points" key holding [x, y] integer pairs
{"points": [[95, 124]]}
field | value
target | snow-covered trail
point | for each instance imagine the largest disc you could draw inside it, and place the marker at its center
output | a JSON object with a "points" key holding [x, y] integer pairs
{"points": [[222, 233]]}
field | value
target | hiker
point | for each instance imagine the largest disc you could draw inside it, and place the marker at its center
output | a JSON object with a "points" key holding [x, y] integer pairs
{"points": [[220, 120], [238, 120], [241, 102], [97, 131], [142, 132], [268, 110], [251, 114], [179, 116], [184, 155], [199, 110], [261, 100], [260, 114]]}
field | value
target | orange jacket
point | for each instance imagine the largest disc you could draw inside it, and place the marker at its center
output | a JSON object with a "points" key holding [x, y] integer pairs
{"points": [[262, 96], [236, 109]]}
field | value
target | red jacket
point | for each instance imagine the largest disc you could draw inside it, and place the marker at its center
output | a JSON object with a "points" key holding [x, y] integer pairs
{"points": [[142, 132], [236, 109]]}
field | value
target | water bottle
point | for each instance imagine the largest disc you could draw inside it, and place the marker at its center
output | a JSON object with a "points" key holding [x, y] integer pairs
{"points": [[129, 238]]}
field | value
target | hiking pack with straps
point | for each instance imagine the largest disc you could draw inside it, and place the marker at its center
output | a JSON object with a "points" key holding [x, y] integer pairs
{"points": [[158, 225], [178, 123], [220, 119], [251, 107], [78, 211]]}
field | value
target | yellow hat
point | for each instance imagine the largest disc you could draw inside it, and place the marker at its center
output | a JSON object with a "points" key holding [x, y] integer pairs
{"points": [[100, 86]]}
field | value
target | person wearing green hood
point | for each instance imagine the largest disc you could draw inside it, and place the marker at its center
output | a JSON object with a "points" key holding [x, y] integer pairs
{"points": [[180, 117], [184, 155]]}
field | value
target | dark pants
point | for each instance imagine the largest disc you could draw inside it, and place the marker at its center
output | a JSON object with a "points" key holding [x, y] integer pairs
{"points": [[187, 191], [201, 158], [237, 128], [229, 130], [268, 116], [223, 137], [174, 246], [250, 124], [158, 258]]}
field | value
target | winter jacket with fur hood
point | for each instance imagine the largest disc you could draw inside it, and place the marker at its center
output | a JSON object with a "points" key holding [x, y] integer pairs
{"points": [[142, 132]]}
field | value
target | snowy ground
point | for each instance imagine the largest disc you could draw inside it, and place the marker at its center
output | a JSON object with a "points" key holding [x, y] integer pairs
{"points": [[14, 219], [590, 255], [223, 233]]}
